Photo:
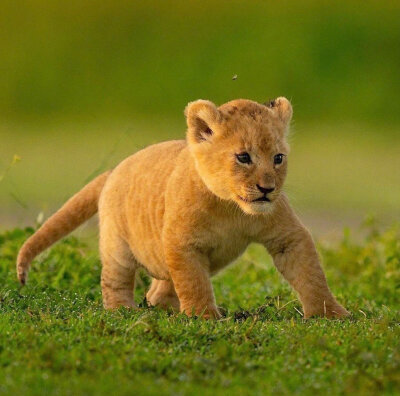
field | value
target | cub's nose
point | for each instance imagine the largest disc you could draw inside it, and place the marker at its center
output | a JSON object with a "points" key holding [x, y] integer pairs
{"points": [[265, 190]]}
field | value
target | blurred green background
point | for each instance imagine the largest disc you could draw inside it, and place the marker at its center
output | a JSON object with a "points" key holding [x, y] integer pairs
{"points": [[85, 83]]}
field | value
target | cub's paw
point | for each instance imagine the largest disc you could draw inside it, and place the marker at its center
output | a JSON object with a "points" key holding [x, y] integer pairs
{"points": [[163, 301], [330, 311], [210, 312], [339, 312]]}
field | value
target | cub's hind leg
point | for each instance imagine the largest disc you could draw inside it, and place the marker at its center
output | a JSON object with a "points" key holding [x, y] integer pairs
{"points": [[162, 294], [118, 269]]}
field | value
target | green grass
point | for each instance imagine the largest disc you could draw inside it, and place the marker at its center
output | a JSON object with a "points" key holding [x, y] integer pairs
{"points": [[334, 60], [55, 337], [69, 71]]}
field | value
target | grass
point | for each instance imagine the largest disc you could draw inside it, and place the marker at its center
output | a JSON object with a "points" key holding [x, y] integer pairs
{"points": [[335, 61], [145, 60], [56, 339]]}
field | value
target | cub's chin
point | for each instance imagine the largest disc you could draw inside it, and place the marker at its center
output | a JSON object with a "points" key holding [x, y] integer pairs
{"points": [[254, 208]]}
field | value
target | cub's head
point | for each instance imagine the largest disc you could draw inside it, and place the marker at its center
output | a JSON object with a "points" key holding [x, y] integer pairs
{"points": [[240, 149]]}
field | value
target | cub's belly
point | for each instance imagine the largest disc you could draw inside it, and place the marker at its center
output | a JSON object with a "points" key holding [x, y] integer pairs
{"points": [[150, 257]]}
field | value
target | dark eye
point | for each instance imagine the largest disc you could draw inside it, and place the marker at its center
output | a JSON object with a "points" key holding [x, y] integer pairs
{"points": [[278, 158], [244, 158]]}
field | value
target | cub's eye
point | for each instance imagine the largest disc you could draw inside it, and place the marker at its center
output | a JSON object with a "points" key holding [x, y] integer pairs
{"points": [[244, 158], [278, 158]]}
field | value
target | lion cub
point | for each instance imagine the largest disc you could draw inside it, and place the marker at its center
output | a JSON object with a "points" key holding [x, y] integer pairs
{"points": [[185, 209]]}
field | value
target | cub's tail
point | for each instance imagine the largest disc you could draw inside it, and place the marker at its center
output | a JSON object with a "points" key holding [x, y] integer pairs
{"points": [[81, 207]]}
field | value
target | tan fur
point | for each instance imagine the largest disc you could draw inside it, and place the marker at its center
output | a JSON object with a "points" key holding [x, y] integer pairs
{"points": [[184, 210]]}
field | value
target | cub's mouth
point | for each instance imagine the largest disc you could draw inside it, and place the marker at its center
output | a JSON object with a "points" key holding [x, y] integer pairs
{"points": [[260, 199]]}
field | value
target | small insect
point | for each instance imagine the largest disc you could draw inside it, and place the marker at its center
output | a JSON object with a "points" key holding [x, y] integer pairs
{"points": [[235, 77]]}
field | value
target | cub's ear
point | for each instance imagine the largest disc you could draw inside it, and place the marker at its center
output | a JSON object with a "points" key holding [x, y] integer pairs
{"points": [[201, 117], [282, 107]]}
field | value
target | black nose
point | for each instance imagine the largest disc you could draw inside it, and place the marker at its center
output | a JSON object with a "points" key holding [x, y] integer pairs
{"points": [[265, 190]]}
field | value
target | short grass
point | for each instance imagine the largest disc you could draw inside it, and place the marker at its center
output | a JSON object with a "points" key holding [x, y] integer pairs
{"points": [[56, 339]]}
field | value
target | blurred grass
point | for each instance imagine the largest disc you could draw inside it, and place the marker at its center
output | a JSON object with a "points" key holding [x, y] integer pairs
{"points": [[83, 85], [340, 172], [334, 60]]}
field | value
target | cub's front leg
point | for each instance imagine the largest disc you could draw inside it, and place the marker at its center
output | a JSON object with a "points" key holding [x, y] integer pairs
{"points": [[296, 258], [189, 271]]}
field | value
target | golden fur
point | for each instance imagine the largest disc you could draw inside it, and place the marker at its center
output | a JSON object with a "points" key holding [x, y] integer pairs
{"points": [[185, 209]]}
